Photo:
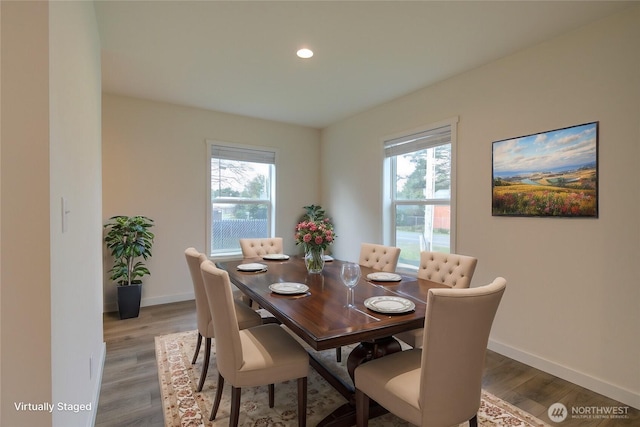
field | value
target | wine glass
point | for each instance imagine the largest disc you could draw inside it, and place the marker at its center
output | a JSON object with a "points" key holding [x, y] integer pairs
{"points": [[350, 275]]}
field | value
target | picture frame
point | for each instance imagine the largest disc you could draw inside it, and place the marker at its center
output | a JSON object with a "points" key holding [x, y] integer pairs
{"points": [[547, 174]]}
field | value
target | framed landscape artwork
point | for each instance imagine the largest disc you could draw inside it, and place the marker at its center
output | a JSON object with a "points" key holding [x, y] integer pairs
{"points": [[548, 174]]}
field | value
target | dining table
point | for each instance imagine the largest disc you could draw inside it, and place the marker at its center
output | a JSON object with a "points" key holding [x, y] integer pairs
{"points": [[315, 308]]}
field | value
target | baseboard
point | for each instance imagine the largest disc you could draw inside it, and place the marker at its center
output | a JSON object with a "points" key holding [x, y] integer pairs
{"points": [[96, 392], [166, 299], [628, 397]]}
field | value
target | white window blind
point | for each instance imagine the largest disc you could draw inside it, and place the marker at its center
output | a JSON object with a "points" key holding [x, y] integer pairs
{"points": [[242, 154], [417, 141]]}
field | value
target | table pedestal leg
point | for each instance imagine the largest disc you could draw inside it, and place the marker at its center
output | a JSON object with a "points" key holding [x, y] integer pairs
{"points": [[345, 415], [369, 350]]}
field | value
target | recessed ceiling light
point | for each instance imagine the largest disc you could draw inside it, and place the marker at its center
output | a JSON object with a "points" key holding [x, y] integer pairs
{"points": [[305, 53]]}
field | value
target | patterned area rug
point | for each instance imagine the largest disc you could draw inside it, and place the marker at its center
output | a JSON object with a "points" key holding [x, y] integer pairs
{"points": [[185, 407]]}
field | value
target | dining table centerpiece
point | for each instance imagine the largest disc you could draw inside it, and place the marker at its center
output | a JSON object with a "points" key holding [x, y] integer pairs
{"points": [[315, 233]]}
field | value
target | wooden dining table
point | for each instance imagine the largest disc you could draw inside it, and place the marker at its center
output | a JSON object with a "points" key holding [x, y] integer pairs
{"points": [[320, 316]]}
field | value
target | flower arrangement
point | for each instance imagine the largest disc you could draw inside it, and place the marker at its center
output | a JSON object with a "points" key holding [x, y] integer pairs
{"points": [[315, 233], [315, 230]]}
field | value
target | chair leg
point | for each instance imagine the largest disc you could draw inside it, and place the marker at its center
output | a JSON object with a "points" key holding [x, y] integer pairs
{"points": [[271, 395], [362, 409], [302, 402], [216, 402], [195, 355], [339, 354], [235, 406], [473, 422], [205, 364]]}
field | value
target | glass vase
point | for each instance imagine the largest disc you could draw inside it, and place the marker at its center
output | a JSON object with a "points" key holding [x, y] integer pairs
{"points": [[314, 260]]}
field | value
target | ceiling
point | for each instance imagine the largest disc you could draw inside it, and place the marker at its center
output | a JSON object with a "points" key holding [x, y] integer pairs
{"points": [[239, 56]]}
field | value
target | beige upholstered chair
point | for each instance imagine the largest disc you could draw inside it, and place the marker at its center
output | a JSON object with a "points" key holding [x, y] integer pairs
{"points": [[440, 384], [253, 248], [452, 270], [262, 355], [246, 316], [379, 257]]}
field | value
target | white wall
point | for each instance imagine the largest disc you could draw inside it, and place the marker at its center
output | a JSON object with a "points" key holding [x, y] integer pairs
{"points": [[154, 164], [572, 305], [25, 315], [51, 282], [0, 204], [77, 347]]}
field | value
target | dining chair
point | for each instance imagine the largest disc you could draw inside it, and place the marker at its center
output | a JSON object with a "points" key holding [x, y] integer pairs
{"points": [[441, 383], [453, 270], [261, 355], [258, 247], [246, 316], [379, 257], [253, 248]]}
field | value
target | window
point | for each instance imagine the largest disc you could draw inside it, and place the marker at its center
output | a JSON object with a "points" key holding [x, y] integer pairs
{"points": [[418, 211], [241, 194]]}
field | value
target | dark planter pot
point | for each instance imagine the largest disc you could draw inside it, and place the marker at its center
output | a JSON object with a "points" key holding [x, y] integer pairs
{"points": [[129, 300]]}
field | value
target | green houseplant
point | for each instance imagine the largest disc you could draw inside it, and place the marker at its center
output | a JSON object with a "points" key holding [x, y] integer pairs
{"points": [[128, 239]]}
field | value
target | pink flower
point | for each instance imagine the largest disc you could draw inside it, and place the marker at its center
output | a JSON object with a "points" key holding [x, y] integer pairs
{"points": [[318, 233]]}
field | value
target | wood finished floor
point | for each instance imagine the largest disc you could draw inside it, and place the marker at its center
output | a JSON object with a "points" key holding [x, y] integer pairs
{"points": [[130, 393]]}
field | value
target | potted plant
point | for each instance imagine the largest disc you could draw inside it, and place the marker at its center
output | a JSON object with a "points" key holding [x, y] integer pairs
{"points": [[128, 238], [313, 213]]}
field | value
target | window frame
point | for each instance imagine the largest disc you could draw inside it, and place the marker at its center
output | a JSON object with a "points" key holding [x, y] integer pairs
{"points": [[390, 201], [270, 202]]}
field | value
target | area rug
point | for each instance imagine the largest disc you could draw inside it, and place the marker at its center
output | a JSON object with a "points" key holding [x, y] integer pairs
{"points": [[184, 407]]}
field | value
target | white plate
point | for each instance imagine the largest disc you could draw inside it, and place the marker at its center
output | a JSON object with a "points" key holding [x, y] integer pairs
{"points": [[254, 266], [288, 288], [384, 277], [327, 258], [275, 257], [389, 305]]}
